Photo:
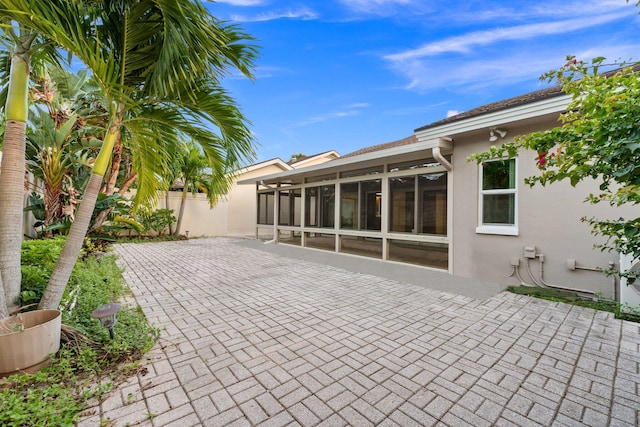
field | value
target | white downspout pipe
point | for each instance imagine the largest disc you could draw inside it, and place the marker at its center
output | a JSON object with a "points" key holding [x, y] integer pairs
{"points": [[443, 142], [446, 142]]}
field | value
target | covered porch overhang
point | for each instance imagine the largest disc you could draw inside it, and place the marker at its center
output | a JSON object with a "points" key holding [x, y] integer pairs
{"points": [[389, 204], [433, 148]]}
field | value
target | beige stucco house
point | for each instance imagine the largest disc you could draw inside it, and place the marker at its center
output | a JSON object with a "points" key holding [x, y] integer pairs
{"points": [[418, 200]]}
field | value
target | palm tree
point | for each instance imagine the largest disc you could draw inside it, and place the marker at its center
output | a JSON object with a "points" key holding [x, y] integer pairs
{"points": [[22, 43], [194, 176], [159, 63], [12, 175]]}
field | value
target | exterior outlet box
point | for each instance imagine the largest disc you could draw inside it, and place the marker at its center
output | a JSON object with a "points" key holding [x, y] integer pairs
{"points": [[515, 262], [529, 251], [571, 264]]}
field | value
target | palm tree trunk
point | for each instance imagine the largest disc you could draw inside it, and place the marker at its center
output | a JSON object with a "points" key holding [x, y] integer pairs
{"points": [[100, 218], [12, 180], [185, 190], [166, 206], [62, 271], [127, 183], [109, 187], [4, 312], [11, 213]]}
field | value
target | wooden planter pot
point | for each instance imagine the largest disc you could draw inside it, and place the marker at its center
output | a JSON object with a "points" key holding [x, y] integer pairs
{"points": [[28, 348]]}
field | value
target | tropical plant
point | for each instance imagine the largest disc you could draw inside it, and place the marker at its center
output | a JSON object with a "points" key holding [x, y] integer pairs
{"points": [[50, 158], [159, 63], [194, 175], [158, 221]]}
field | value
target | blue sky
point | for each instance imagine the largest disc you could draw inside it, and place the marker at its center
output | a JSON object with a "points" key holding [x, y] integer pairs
{"points": [[346, 74]]}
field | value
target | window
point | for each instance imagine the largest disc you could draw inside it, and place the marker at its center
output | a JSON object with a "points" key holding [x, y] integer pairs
{"points": [[432, 213], [362, 172], [361, 205], [371, 205], [349, 206], [289, 207], [320, 206], [402, 208], [265, 208], [429, 216], [498, 202]]}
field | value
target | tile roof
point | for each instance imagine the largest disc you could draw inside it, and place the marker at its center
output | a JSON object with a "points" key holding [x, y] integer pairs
{"points": [[404, 141], [527, 98]]}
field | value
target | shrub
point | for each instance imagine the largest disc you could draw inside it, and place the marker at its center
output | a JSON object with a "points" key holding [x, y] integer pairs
{"points": [[56, 395], [157, 221]]}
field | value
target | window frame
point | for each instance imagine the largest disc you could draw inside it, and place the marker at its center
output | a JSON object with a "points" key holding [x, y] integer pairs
{"points": [[493, 228]]}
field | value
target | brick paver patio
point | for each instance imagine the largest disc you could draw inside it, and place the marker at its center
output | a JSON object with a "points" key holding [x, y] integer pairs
{"points": [[252, 338]]}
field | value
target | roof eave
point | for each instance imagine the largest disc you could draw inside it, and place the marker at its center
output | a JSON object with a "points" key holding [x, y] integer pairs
{"points": [[343, 162], [552, 105]]}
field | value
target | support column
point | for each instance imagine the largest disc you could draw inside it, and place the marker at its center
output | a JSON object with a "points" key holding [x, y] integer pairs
{"points": [[303, 216], [336, 215], [276, 213], [384, 214]]}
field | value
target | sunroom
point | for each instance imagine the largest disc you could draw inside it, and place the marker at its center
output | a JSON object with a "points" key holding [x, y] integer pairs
{"points": [[389, 203]]}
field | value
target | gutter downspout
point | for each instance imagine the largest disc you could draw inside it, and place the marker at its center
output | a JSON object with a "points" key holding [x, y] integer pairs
{"points": [[446, 142], [443, 142]]}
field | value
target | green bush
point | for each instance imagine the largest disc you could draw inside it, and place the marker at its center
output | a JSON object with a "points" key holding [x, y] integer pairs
{"points": [[38, 260], [157, 221]]}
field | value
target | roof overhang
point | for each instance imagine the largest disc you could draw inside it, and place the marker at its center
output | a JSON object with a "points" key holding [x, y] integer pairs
{"points": [[396, 154], [328, 155], [273, 162], [513, 115], [429, 137]]}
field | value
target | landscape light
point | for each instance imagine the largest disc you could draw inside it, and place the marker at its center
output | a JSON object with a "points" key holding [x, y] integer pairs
{"points": [[106, 313]]}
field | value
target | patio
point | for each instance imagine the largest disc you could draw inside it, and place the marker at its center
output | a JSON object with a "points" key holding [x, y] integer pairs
{"points": [[256, 334]]}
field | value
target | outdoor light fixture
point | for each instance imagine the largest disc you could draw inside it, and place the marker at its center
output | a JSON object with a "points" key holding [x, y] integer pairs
{"points": [[500, 133], [106, 313]]}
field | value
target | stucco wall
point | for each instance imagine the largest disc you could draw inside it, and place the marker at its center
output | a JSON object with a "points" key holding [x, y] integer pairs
{"points": [[243, 205], [198, 218], [234, 215], [549, 219]]}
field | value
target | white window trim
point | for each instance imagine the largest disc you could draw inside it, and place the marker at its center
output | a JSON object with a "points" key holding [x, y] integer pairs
{"points": [[499, 229]]}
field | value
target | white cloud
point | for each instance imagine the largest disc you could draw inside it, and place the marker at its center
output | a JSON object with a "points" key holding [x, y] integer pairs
{"points": [[371, 4], [452, 113], [465, 43], [242, 2], [514, 53], [304, 14], [468, 73], [350, 111], [384, 7], [472, 74], [559, 9]]}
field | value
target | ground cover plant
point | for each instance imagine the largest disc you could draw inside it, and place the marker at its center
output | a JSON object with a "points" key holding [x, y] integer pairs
{"points": [[89, 363], [599, 303]]}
